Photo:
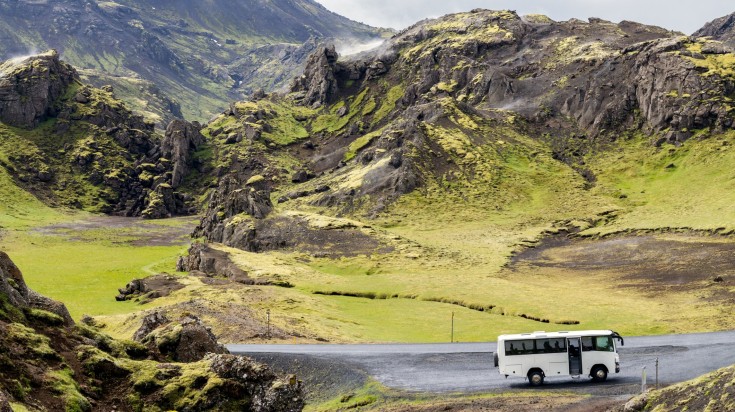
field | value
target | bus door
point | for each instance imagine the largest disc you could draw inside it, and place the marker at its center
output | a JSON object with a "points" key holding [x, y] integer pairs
{"points": [[575, 356]]}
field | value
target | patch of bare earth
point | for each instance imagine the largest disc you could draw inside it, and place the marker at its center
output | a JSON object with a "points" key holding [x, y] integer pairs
{"points": [[133, 231], [652, 264]]}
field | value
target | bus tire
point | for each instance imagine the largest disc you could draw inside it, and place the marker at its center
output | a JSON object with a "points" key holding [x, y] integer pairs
{"points": [[535, 377], [598, 373]]}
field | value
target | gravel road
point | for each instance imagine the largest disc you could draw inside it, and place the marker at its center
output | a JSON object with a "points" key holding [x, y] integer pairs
{"points": [[468, 367]]}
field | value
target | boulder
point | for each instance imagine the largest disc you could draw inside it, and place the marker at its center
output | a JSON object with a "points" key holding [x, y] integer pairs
{"points": [[212, 262], [150, 323], [188, 340], [282, 395]]}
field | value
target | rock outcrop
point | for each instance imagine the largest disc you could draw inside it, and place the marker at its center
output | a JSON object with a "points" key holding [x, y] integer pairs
{"points": [[722, 29], [187, 340], [181, 140], [232, 200], [49, 363], [92, 144], [31, 86], [318, 83]]}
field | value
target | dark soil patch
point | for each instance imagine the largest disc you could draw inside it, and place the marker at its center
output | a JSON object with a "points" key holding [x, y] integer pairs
{"points": [[128, 230], [672, 262], [148, 289], [332, 241]]}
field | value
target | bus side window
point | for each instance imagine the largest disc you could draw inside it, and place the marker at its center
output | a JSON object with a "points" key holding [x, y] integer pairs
{"points": [[604, 344], [559, 345], [587, 344]]}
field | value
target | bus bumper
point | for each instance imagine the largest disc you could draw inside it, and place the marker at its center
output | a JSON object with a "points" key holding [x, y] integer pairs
{"points": [[617, 367]]}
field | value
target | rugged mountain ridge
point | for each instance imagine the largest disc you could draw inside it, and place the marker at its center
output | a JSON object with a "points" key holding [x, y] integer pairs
{"points": [[49, 363], [174, 59], [438, 103], [77, 146], [722, 29]]}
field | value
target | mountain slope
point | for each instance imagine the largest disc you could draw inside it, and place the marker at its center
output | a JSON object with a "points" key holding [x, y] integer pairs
{"points": [[722, 29], [175, 58]]}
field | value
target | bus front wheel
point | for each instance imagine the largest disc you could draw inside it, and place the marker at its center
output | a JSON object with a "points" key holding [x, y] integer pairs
{"points": [[535, 378], [598, 374]]}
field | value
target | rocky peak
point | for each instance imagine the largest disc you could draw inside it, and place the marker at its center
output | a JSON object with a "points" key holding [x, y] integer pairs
{"points": [[722, 29], [318, 83], [29, 87]]}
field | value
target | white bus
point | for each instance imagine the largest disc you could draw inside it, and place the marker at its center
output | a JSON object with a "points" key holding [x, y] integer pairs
{"points": [[539, 355]]}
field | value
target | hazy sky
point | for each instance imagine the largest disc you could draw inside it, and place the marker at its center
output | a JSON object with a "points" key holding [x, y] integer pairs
{"points": [[683, 15]]}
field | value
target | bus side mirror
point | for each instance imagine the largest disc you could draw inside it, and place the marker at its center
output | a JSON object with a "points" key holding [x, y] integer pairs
{"points": [[616, 335]]}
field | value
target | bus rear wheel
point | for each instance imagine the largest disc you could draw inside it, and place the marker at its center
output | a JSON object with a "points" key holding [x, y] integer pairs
{"points": [[599, 374], [535, 378]]}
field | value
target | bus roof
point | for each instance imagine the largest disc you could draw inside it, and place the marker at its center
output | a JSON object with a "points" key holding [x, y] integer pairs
{"points": [[562, 334]]}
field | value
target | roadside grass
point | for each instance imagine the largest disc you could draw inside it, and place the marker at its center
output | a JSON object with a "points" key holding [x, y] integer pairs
{"points": [[375, 397]]}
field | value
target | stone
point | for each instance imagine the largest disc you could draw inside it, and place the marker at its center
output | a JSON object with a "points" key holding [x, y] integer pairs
{"points": [[187, 340]]}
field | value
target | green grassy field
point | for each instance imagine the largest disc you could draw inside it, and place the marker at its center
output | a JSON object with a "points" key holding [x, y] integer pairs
{"points": [[451, 246], [81, 265]]}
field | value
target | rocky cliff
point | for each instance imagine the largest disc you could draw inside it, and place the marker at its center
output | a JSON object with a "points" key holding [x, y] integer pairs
{"points": [[175, 59], [78, 146], [722, 29], [49, 363]]}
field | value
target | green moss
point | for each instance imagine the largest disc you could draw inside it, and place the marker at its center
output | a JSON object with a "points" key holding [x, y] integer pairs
{"points": [[357, 101], [37, 344], [64, 385], [389, 103], [255, 179], [447, 87], [181, 386], [369, 107], [360, 143], [8, 311], [46, 317], [722, 65], [119, 348]]}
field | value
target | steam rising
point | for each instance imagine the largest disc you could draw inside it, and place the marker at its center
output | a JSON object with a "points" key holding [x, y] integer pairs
{"points": [[351, 47], [14, 60]]}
